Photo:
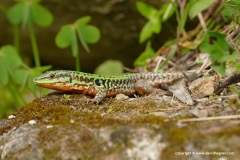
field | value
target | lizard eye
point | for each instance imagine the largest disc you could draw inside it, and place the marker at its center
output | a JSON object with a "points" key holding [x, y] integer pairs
{"points": [[52, 76]]}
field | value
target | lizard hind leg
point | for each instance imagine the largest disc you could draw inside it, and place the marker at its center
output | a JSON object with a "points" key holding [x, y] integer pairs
{"points": [[100, 96], [143, 87]]}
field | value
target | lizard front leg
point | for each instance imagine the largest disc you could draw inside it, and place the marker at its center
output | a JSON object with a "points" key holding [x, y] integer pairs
{"points": [[143, 87], [100, 96]]}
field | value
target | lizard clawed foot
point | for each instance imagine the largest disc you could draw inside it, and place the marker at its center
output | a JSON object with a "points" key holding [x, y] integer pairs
{"points": [[99, 96], [93, 101]]}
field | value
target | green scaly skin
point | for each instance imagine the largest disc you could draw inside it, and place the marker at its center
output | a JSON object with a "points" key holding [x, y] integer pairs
{"points": [[102, 86]]}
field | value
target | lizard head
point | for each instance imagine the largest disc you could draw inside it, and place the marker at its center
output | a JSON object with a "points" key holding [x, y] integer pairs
{"points": [[57, 80]]}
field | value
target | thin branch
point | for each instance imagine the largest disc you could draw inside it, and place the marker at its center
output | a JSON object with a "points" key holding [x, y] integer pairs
{"points": [[218, 86]]}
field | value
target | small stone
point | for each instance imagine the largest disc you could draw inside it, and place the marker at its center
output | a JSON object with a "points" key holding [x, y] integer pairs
{"points": [[200, 113], [203, 87], [49, 126], [32, 122], [121, 96], [11, 116], [73, 107], [72, 121], [180, 124]]}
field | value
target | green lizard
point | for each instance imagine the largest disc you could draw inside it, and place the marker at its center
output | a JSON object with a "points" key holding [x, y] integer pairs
{"points": [[102, 86]]}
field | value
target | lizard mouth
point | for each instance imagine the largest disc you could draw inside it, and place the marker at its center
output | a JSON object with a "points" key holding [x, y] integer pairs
{"points": [[55, 86], [60, 86]]}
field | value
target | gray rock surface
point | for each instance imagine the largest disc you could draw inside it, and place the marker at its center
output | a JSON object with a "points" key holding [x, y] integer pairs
{"points": [[115, 129]]}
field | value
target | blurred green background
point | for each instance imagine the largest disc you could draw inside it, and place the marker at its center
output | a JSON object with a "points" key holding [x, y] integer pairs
{"points": [[101, 37], [119, 24]]}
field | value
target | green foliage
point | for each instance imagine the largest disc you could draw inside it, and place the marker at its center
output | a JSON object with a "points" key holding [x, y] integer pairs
{"points": [[192, 8], [235, 101], [7, 104], [199, 6], [15, 78], [9, 63], [236, 67], [184, 16], [213, 43], [155, 18], [220, 51], [109, 67], [66, 37], [67, 97], [28, 13], [13, 70], [235, 90], [3, 8], [86, 33], [170, 55], [232, 10], [147, 54], [238, 41]]}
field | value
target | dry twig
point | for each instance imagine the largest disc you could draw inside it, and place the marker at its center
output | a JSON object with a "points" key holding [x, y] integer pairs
{"points": [[218, 86], [210, 118]]}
